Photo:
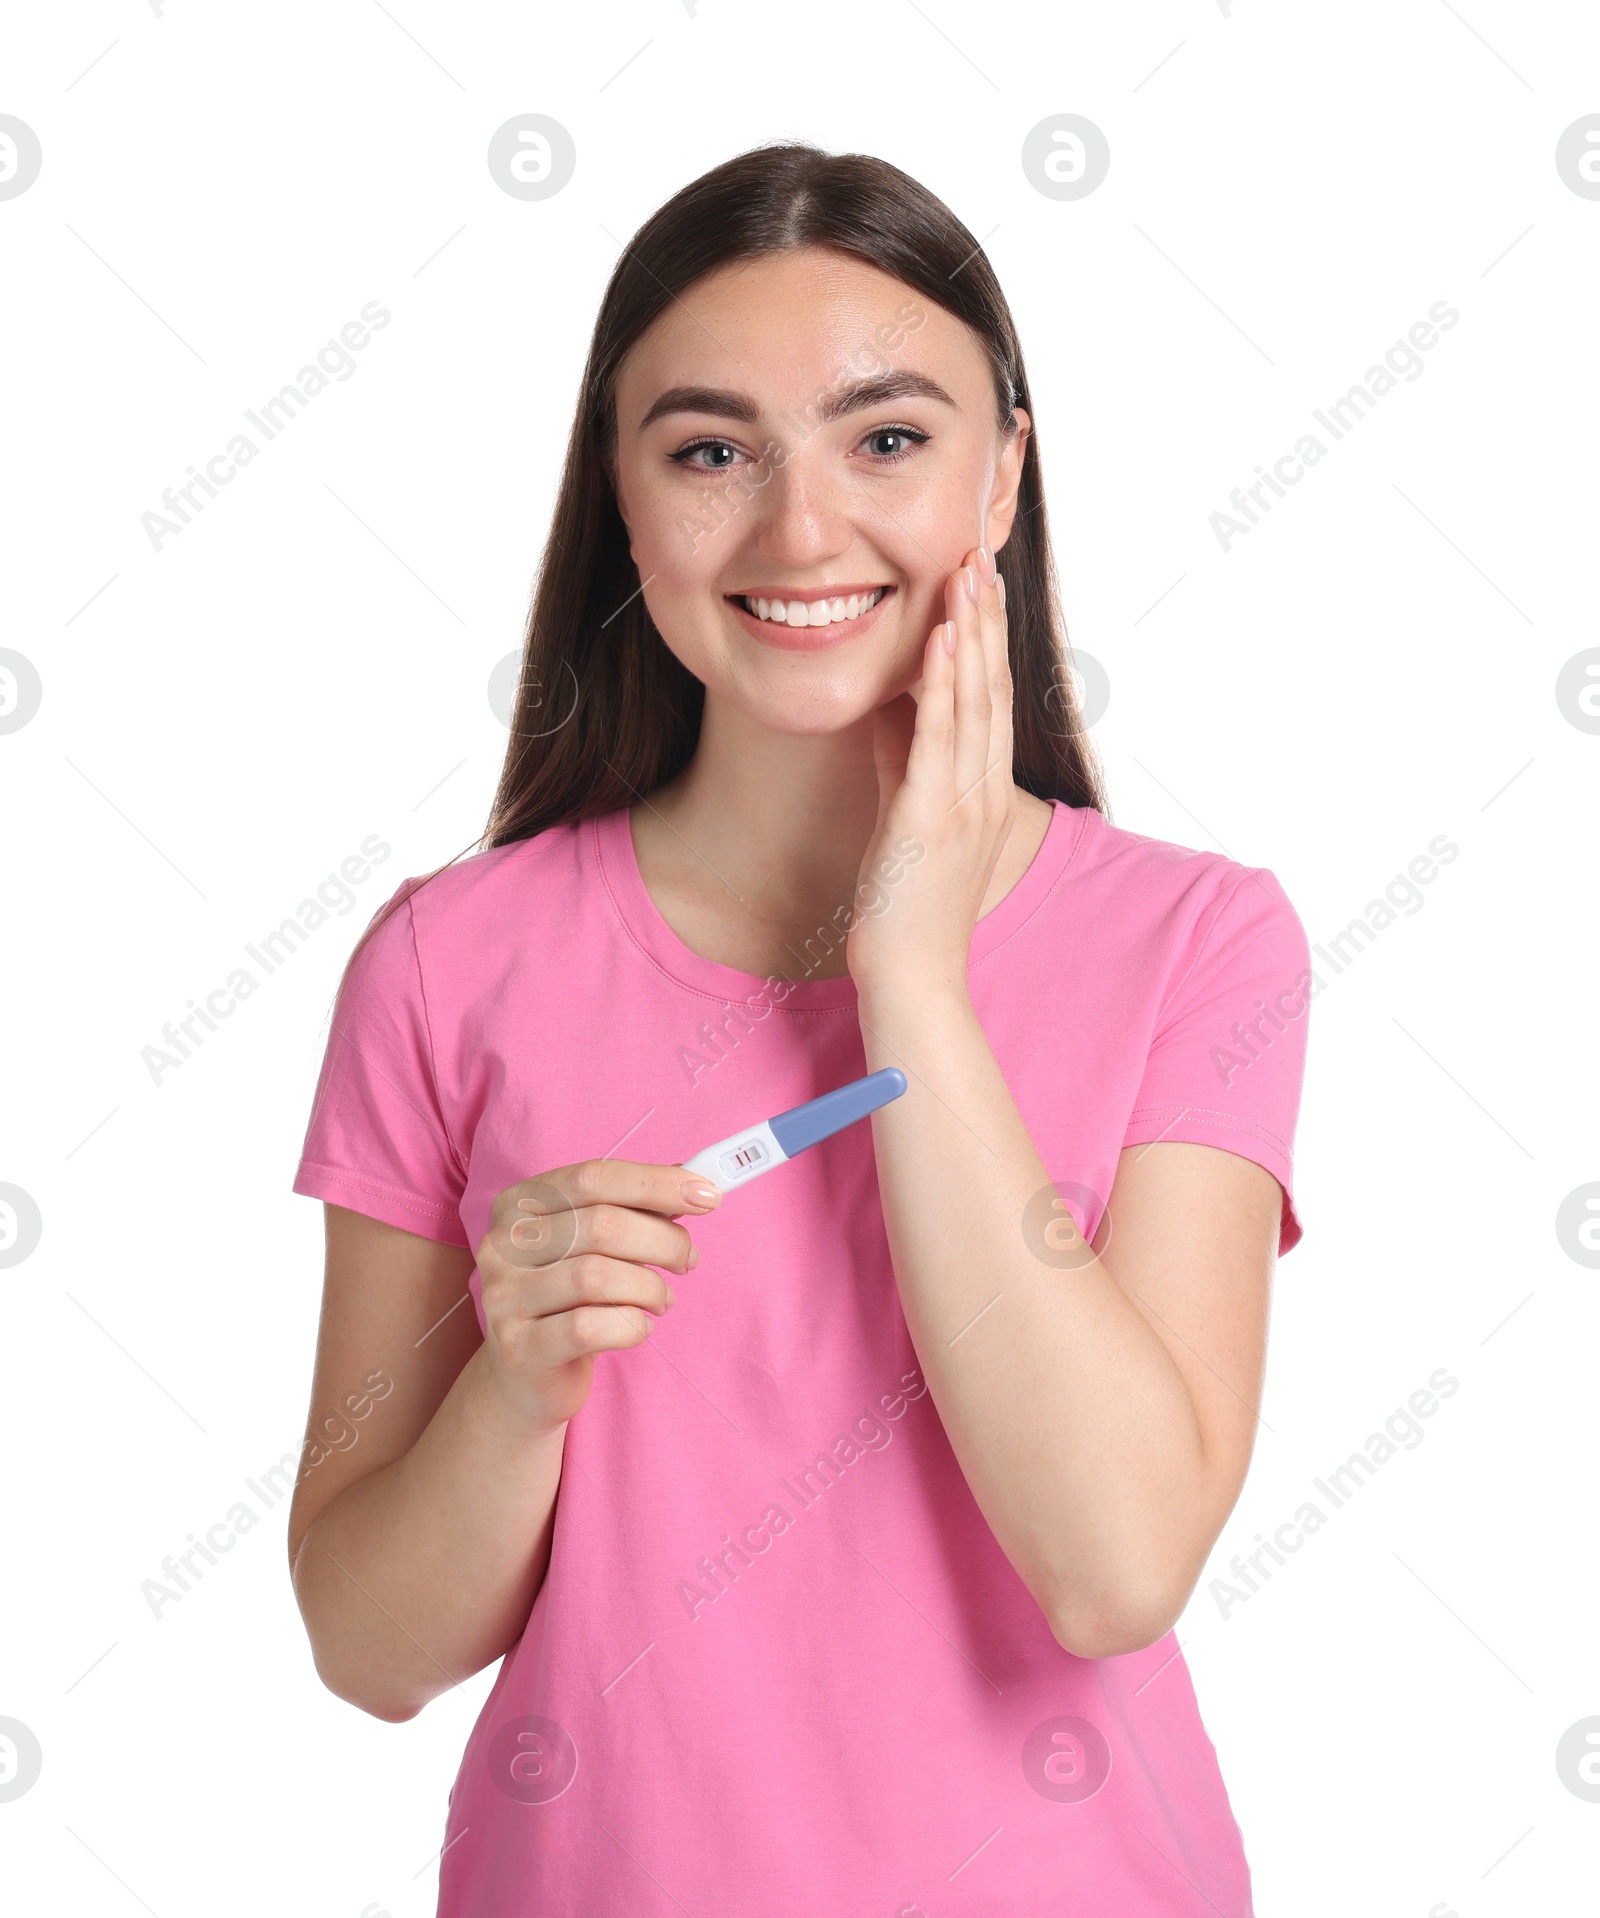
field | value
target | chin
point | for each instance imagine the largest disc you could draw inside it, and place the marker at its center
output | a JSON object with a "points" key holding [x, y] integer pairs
{"points": [[808, 706]]}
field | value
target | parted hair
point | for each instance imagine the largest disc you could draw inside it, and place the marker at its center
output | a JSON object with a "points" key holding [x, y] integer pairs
{"points": [[604, 712]]}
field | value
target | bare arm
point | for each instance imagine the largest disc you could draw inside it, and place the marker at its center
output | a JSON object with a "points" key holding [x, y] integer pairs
{"points": [[1102, 1408], [417, 1546], [392, 1627], [1103, 1411]]}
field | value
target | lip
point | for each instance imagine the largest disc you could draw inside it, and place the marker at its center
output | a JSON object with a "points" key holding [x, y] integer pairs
{"points": [[808, 639]]}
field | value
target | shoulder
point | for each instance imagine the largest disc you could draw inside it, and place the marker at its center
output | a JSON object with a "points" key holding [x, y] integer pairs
{"points": [[1159, 878], [486, 889], [464, 910]]}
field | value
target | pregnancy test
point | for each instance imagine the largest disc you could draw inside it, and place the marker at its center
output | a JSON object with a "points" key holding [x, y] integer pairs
{"points": [[746, 1155]]}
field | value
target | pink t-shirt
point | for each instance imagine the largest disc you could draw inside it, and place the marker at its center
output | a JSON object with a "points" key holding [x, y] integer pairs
{"points": [[779, 1663]]}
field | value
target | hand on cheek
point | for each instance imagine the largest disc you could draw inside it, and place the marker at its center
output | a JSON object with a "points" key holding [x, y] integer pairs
{"points": [[945, 797]]}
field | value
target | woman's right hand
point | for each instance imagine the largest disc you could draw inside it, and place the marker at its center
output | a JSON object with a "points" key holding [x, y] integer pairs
{"points": [[567, 1267]]}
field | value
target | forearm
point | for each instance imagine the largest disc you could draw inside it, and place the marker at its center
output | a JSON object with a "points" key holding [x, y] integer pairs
{"points": [[1073, 1426], [425, 1571]]}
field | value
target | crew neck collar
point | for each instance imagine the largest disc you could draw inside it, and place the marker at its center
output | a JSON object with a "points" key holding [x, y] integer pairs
{"points": [[610, 842]]}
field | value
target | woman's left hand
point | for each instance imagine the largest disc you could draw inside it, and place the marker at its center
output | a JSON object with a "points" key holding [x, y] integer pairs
{"points": [[946, 800]]}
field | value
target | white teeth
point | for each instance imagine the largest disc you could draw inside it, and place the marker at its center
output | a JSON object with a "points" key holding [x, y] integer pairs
{"points": [[816, 612]]}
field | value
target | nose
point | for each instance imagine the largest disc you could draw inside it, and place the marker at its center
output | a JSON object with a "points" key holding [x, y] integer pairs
{"points": [[806, 513]]}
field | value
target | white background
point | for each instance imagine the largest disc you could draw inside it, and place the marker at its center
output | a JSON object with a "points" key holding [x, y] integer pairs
{"points": [[223, 722]]}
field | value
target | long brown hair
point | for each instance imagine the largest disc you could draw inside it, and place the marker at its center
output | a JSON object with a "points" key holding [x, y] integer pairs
{"points": [[605, 712]]}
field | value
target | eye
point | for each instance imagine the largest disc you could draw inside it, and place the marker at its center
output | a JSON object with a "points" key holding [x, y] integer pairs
{"points": [[685, 455], [910, 433], [688, 456]]}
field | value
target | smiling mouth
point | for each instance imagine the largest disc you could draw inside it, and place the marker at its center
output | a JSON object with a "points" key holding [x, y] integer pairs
{"points": [[812, 613]]}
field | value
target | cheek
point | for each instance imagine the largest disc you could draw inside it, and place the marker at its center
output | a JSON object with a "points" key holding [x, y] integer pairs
{"points": [[681, 542], [942, 521], [937, 536], [681, 559]]}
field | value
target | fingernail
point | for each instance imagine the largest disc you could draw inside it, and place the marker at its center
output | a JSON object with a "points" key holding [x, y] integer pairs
{"points": [[693, 1259], [999, 580], [672, 1297], [948, 640], [700, 1192], [970, 581], [986, 561]]}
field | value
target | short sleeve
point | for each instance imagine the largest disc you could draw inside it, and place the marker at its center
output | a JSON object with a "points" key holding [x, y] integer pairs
{"points": [[1227, 1059], [378, 1141]]}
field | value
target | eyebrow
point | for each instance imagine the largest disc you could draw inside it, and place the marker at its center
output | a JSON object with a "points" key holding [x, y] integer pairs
{"points": [[831, 405]]}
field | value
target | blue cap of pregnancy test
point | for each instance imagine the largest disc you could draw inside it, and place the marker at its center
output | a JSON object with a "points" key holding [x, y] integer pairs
{"points": [[818, 1119]]}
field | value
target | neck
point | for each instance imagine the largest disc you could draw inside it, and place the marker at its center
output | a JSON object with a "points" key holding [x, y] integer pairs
{"points": [[757, 844], [784, 816]]}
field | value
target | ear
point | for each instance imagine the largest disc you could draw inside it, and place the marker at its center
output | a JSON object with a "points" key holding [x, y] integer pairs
{"points": [[1008, 484]]}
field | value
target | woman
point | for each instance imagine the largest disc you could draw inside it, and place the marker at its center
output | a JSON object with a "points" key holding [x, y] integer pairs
{"points": [[849, 1586]]}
